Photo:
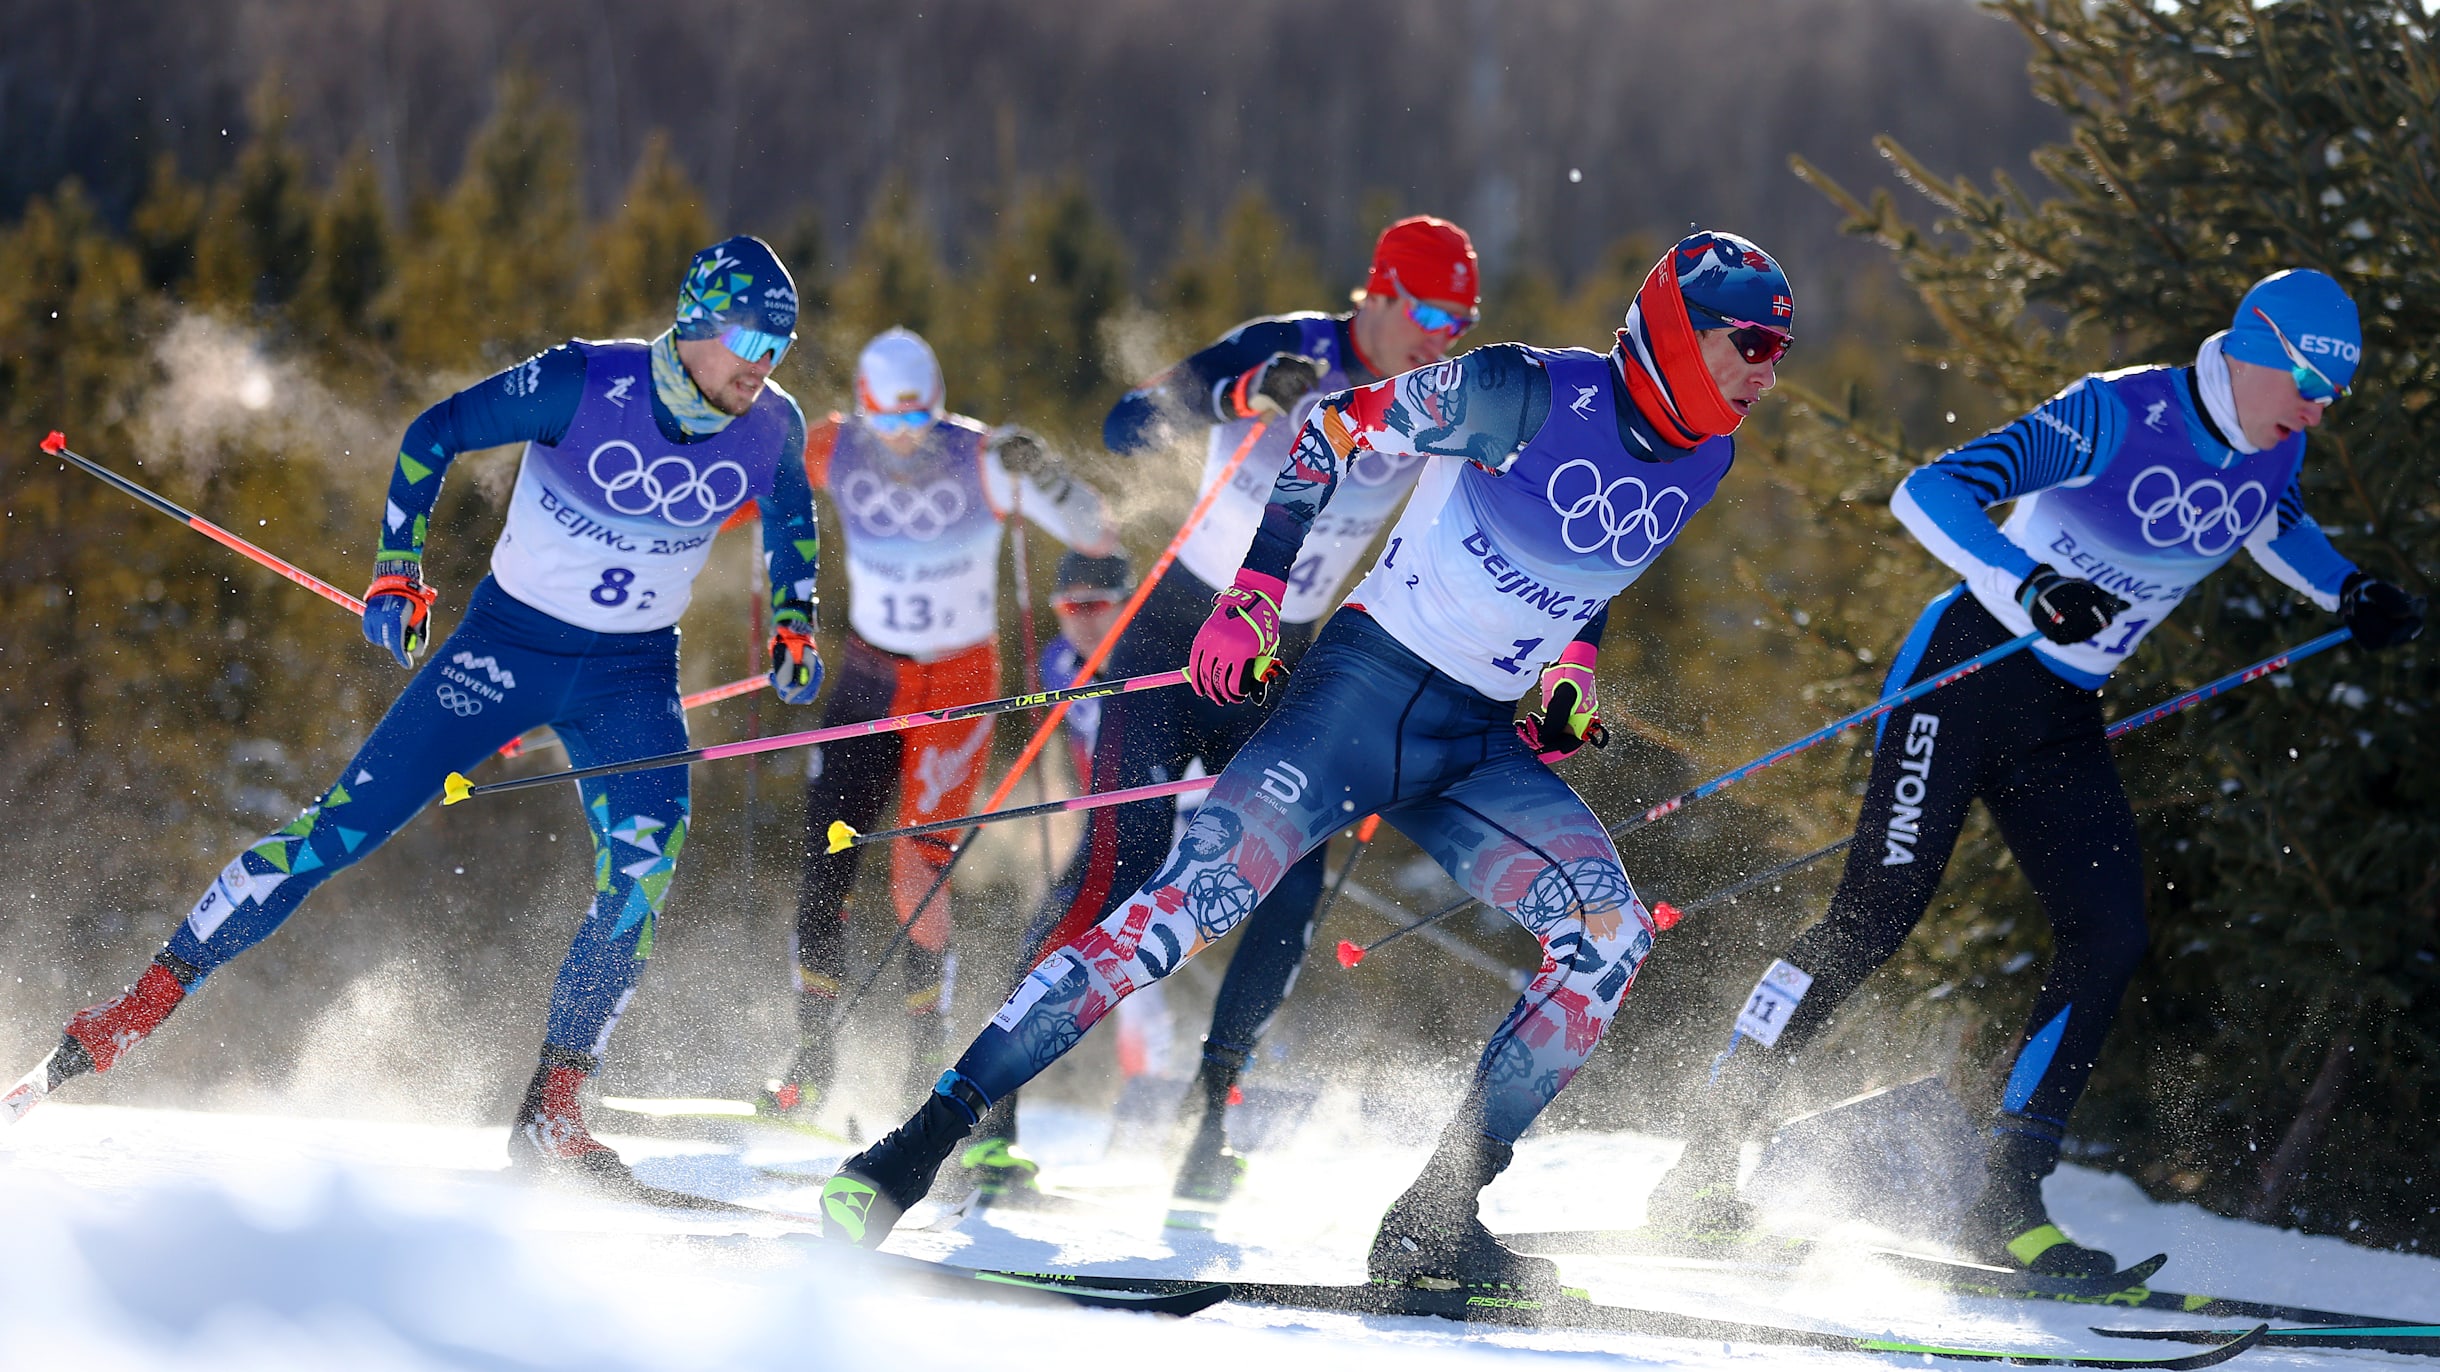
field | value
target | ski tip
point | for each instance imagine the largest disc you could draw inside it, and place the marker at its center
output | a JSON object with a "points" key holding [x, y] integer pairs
{"points": [[54, 442], [1666, 916], [1350, 953], [455, 787], [842, 836]]}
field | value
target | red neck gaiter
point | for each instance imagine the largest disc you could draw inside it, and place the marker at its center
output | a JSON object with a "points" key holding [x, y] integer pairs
{"points": [[1685, 405]]}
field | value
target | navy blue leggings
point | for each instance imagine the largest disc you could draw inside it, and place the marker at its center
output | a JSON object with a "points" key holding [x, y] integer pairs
{"points": [[1150, 736], [506, 669], [1367, 726], [2032, 747]]}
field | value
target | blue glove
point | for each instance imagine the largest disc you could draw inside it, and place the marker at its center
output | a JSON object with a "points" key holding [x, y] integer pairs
{"points": [[398, 614], [796, 664]]}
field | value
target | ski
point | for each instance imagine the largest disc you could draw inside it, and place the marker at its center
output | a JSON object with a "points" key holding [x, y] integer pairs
{"points": [[2379, 1338], [1573, 1310], [2126, 1290], [1025, 1288], [1779, 1254]]}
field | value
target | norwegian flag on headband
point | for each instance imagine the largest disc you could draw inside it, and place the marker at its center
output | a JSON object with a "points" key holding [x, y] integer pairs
{"points": [[1728, 277]]}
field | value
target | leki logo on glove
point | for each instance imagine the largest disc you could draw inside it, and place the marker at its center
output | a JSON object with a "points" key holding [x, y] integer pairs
{"points": [[887, 509], [2208, 514], [1632, 518], [668, 487]]}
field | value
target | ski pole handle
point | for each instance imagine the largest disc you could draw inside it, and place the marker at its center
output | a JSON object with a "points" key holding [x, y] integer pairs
{"points": [[458, 788]]}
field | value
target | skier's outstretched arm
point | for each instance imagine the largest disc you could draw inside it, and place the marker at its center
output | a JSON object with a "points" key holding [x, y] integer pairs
{"points": [[2292, 547], [530, 402], [792, 549], [2069, 438], [1197, 390], [1020, 472]]}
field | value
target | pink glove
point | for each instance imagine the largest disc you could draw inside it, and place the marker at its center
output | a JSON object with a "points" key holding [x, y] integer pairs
{"points": [[1234, 648], [1566, 720]]}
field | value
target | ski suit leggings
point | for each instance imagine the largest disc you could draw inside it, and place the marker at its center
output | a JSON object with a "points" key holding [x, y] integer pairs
{"points": [[2031, 746], [935, 771], [506, 669], [1367, 726], [1148, 737]]}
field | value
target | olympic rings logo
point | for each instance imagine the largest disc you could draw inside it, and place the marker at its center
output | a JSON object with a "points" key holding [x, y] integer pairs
{"points": [[888, 509], [463, 704], [668, 486], [2215, 518], [1634, 520]]}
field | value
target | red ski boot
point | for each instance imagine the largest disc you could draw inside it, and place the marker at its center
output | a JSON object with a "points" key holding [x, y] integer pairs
{"points": [[98, 1035], [550, 1138]]}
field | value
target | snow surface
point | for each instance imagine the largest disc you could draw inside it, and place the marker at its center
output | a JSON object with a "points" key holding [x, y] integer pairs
{"points": [[169, 1239]]}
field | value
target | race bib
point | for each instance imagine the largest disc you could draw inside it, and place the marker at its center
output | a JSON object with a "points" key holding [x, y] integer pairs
{"points": [[1775, 996]]}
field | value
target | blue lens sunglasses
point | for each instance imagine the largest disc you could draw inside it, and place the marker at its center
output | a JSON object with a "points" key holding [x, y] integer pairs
{"points": [[2312, 382]]}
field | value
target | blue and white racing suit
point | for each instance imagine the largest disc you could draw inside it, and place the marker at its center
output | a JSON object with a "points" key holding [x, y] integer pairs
{"points": [[2125, 478], [1544, 493], [612, 517]]}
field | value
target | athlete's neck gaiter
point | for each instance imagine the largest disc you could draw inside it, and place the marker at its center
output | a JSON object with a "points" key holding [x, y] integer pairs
{"points": [[1663, 366], [2219, 394], [687, 403]]}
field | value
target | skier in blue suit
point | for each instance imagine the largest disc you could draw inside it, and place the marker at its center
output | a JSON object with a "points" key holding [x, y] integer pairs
{"points": [[2131, 487], [634, 451]]}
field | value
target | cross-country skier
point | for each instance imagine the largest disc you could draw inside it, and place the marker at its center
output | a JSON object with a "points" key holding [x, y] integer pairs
{"points": [[1258, 382], [2130, 488], [1086, 596], [923, 495], [1551, 479], [634, 451]]}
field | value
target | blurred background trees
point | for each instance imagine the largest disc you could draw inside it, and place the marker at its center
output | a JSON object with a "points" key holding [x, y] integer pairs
{"points": [[241, 244]]}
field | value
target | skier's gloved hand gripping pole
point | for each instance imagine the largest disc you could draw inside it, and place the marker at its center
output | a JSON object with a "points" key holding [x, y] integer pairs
{"points": [[1351, 953], [56, 444], [1050, 722], [1668, 915]]}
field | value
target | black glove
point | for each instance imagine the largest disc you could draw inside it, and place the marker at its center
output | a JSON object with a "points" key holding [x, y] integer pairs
{"points": [[1276, 385], [2378, 614], [2066, 609], [1022, 452]]}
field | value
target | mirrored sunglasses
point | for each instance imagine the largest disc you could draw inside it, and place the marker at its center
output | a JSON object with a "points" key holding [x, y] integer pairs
{"points": [[1081, 602], [1432, 318], [904, 422], [756, 346], [2312, 382], [1756, 343]]}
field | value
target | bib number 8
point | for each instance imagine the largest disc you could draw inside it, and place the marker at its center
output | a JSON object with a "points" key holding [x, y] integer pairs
{"points": [[613, 587]]}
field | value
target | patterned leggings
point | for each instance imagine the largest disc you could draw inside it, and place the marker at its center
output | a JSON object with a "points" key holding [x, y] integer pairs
{"points": [[1367, 726]]}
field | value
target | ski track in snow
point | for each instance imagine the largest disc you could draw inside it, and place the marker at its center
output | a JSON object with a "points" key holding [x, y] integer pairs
{"points": [[143, 1239]]}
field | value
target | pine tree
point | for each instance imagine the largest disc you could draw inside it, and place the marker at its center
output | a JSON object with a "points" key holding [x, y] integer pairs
{"points": [[2292, 827], [1048, 281], [640, 256]]}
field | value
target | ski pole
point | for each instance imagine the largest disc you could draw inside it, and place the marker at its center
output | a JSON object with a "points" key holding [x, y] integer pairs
{"points": [[1733, 775], [1042, 732], [843, 836], [1330, 895], [1018, 558], [1666, 915], [457, 787], [56, 444]]}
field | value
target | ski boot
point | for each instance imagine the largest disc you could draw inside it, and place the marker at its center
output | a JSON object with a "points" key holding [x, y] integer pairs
{"points": [[99, 1035], [796, 1092], [1696, 1205], [1211, 1170], [873, 1189], [550, 1141], [1433, 1238], [2009, 1226]]}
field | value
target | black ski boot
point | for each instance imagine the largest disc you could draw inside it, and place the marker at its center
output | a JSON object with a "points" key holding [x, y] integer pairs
{"points": [[2009, 1226], [1211, 1170], [1434, 1237], [863, 1203], [1696, 1204]]}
